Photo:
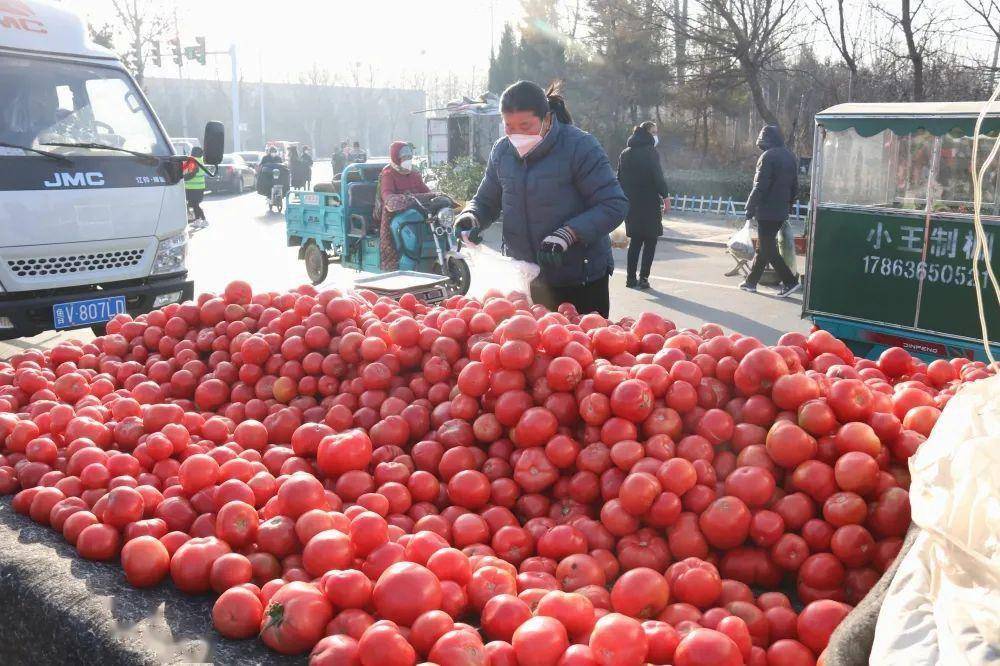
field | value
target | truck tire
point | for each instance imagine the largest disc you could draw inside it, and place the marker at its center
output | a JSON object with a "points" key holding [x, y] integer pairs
{"points": [[317, 263]]}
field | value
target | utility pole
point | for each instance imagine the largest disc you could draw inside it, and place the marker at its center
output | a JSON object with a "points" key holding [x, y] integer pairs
{"points": [[180, 73], [236, 100], [260, 91]]}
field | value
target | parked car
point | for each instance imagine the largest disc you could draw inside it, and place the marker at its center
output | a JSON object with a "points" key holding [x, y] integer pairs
{"points": [[234, 175], [252, 157]]}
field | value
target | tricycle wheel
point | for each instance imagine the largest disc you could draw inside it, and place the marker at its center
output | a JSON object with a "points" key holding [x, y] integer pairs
{"points": [[458, 272], [317, 263]]}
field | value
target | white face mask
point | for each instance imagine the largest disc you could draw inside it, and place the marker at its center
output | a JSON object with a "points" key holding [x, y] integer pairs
{"points": [[656, 140], [406, 165], [524, 143]]}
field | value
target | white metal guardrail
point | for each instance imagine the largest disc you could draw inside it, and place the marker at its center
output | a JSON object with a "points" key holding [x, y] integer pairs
{"points": [[685, 203]]}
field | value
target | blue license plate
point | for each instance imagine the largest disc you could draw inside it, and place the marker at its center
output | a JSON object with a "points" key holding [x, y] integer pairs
{"points": [[81, 313]]}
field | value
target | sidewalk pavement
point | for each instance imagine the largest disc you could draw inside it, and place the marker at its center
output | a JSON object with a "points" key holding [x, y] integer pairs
{"points": [[706, 229]]}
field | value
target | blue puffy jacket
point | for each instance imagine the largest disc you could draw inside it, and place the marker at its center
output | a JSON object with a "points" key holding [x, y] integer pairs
{"points": [[565, 181]]}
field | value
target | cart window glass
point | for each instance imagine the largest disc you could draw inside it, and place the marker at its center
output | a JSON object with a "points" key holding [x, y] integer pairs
{"points": [[953, 187], [892, 171], [884, 170], [855, 168]]}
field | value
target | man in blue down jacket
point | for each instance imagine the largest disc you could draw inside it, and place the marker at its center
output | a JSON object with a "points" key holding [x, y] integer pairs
{"points": [[775, 185], [559, 198]]}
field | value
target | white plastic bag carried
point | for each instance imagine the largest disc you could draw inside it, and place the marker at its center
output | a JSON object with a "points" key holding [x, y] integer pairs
{"points": [[619, 238], [741, 243], [492, 271], [943, 605]]}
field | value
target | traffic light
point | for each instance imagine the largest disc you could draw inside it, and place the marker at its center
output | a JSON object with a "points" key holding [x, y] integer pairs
{"points": [[196, 52], [157, 57], [175, 43], [199, 50]]}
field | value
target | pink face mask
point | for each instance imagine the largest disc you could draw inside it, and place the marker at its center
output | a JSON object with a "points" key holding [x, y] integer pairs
{"points": [[524, 143]]}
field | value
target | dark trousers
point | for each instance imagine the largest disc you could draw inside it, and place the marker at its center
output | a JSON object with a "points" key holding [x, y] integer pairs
{"points": [[590, 297], [647, 247], [767, 253], [194, 198]]}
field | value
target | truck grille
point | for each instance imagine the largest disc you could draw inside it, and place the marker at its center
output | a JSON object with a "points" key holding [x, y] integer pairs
{"points": [[74, 263]]}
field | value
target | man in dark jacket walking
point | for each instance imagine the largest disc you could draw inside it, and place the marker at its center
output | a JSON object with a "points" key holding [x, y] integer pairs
{"points": [[775, 185], [641, 176]]}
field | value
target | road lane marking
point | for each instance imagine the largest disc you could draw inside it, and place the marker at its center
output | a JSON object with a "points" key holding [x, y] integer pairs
{"points": [[683, 281]]}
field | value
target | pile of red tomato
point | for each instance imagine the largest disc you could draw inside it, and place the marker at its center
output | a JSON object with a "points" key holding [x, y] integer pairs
{"points": [[384, 482]]}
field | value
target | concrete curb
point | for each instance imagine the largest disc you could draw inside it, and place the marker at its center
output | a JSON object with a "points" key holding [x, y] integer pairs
{"points": [[58, 608]]}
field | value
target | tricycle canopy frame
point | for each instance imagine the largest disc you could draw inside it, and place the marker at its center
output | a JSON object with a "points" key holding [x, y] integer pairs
{"points": [[903, 118]]}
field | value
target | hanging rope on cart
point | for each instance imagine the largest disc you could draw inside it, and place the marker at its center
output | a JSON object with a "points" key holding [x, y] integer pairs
{"points": [[981, 245]]}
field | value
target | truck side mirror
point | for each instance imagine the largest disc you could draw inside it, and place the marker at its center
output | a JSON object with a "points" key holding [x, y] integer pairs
{"points": [[215, 141]]}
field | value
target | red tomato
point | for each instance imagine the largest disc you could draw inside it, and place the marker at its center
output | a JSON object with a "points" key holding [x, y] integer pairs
{"points": [[502, 615], [641, 593], [818, 620], [98, 541], [145, 560], [238, 613], [705, 647], [405, 591], [618, 639], [191, 564], [295, 618], [540, 641]]}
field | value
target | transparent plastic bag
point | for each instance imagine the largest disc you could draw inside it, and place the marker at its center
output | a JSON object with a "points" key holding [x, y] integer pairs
{"points": [[741, 243], [942, 605], [491, 271], [619, 238]]}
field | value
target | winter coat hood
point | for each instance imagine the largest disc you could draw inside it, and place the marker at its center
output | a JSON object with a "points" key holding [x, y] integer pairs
{"points": [[395, 149], [770, 137], [640, 137]]}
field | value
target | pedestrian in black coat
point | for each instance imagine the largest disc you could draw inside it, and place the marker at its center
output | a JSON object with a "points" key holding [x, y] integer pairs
{"points": [[775, 185], [641, 176]]}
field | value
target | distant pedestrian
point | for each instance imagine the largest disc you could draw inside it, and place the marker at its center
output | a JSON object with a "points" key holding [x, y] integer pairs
{"points": [[357, 155], [307, 165], [641, 176], [194, 186], [775, 185], [339, 159], [296, 172]]}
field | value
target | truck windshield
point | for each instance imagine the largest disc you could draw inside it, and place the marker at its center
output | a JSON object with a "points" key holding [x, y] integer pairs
{"points": [[53, 101]]}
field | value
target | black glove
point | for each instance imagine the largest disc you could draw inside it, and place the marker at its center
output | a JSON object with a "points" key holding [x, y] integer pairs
{"points": [[467, 223], [554, 246]]}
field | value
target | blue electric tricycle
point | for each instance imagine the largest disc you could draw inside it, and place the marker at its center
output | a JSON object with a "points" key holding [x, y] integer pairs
{"points": [[339, 226]]}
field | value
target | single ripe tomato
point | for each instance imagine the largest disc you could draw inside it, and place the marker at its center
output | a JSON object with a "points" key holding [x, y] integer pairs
{"points": [[238, 613], [145, 561], [295, 618]]}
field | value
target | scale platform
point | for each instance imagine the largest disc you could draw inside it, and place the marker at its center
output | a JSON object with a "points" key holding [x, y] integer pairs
{"points": [[428, 287]]}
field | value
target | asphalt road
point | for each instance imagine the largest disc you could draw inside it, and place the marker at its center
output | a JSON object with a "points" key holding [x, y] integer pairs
{"points": [[245, 241]]}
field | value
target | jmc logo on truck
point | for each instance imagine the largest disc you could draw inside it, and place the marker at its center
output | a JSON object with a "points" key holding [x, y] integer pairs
{"points": [[17, 15], [77, 179]]}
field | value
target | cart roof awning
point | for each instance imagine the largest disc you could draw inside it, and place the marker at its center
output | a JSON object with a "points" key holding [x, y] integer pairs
{"points": [[909, 117]]}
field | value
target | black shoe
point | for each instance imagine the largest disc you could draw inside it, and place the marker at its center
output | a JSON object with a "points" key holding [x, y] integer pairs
{"points": [[746, 286], [643, 283], [630, 283]]}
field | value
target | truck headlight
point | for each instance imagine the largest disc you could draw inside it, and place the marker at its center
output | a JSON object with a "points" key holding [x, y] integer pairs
{"points": [[171, 254]]}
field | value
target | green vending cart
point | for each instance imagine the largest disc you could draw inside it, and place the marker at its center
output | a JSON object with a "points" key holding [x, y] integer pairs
{"points": [[891, 235]]}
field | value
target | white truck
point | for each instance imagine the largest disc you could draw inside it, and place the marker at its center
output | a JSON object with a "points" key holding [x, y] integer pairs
{"points": [[93, 217]]}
